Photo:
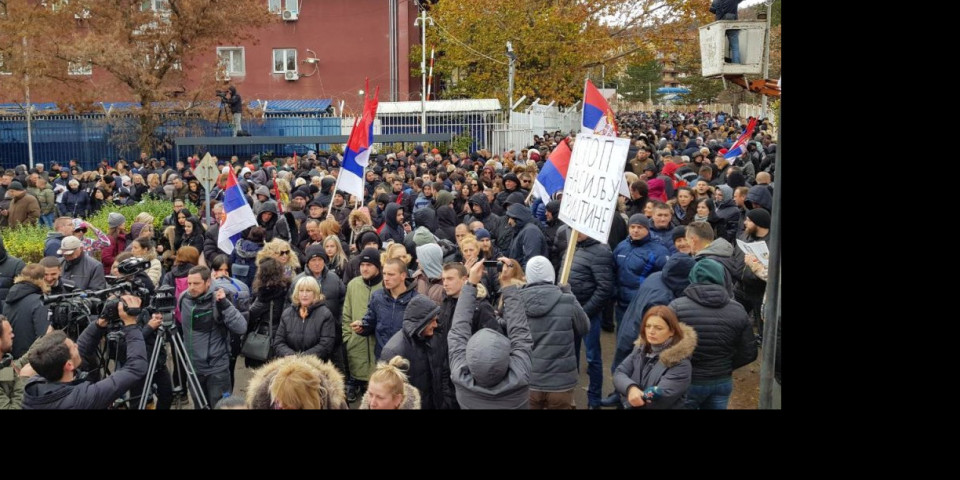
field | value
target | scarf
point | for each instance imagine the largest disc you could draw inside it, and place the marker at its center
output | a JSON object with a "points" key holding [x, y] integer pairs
{"points": [[655, 350], [679, 212], [698, 218]]}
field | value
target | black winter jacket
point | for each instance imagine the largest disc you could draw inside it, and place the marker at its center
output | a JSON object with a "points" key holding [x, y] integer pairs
{"points": [[592, 277], [27, 314], [314, 335], [429, 364], [725, 333]]}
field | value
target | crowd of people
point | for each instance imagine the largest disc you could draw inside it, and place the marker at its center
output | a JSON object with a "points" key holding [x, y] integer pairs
{"points": [[436, 290]]}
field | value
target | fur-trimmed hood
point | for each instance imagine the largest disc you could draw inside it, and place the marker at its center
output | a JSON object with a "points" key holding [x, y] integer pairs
{"points": [[679, 351], [411, 399], [331, 381]]}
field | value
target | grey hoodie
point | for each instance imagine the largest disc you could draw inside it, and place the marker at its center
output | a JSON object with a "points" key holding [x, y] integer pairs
{"points": [[490, 370]]}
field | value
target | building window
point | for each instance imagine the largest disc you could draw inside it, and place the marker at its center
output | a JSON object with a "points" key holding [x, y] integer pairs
{"points": [[232, 60], [278, 6], [79, 68], [284, 59], [162, 6], [3, 68]]}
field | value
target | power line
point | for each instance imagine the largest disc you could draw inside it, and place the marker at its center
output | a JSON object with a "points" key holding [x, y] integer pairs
{"points": [[458, 42]]}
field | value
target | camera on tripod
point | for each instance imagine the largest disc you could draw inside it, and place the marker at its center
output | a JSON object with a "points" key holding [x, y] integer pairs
{"points": [[222, 94]]}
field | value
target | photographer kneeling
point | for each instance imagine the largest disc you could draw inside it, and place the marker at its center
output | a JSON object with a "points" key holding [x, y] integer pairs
{"points": [[56, 358]]}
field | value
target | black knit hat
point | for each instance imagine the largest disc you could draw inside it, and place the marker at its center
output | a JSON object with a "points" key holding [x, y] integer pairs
{"points": [[317, 250], [760, 217], [368, 237], [679, 232], [370, 256]]}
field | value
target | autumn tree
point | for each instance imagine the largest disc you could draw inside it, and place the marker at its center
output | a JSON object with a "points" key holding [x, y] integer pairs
{"points": [[558, 42], [149, 49]]}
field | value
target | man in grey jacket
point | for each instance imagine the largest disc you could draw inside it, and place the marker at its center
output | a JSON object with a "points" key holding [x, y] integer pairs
{"points": [[80, 269], [490, 370], [208, 317], [556, 322]]}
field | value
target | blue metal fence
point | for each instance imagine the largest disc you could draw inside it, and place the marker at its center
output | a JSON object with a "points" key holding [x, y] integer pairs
{"points": [[85, 138]]}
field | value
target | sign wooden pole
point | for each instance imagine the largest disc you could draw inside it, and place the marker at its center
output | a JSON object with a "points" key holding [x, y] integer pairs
{"points": [[568, 258]]}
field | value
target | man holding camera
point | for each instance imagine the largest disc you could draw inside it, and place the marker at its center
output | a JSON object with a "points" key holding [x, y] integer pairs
{"points": [[208, 318], [236, 107], [55, 358]]}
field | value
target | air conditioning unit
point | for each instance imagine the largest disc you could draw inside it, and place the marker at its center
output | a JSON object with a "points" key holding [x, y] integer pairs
{"points": [[290, 15], [291, 75]]}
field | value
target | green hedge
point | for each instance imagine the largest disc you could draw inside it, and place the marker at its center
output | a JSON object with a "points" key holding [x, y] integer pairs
{"points": [[26, 242]]}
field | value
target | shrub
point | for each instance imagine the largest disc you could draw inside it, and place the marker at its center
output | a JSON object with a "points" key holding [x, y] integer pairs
{"points": [[26, 242]]}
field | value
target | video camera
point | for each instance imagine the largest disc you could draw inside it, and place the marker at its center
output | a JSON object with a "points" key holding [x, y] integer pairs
{"points": [[72, 312], [222, 94]]}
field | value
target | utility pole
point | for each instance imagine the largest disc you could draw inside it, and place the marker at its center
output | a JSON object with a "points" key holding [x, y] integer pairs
{"points": [[513, 70], [29, 109], [766, 59], [603, 76], [422, 21]]}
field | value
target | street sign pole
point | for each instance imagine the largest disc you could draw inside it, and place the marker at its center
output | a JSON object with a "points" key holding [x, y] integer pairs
{"points": [[207, 175]]}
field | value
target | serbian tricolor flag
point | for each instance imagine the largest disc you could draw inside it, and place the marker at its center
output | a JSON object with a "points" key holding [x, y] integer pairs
{"points": [[739, 146], [357, 154], [598, 117], [554, 172], [238, 215]]}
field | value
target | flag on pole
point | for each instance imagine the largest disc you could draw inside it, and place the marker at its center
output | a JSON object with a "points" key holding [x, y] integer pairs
{"points": [[238, 215], [357, 155], [598, 117], [554, 172], [739, 146]]}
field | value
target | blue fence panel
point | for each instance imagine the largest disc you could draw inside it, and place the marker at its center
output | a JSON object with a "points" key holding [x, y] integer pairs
{"points": [[87, 139]]}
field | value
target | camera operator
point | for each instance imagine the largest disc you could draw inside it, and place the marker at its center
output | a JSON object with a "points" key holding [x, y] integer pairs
{"points": [[236, 107], [149, 322], [51, 275], [56, 358], [207, 319], [24, 307]]}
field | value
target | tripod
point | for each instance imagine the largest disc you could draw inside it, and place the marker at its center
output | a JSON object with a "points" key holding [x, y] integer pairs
{"points": [[223, 106], [167, 334]]}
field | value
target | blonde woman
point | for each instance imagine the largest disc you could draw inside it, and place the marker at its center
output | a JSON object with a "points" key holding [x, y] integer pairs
{"points": [[389, 389], [396, 250], [334, 249], [306, 327], [156, 191], [279, 250], [298, 382]]}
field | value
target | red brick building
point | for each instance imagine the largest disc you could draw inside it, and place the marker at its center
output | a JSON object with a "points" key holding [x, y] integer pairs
{"points": [[350, 40], [323, 49]]}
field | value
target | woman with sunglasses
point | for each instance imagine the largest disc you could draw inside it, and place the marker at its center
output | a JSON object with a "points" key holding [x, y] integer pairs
{"points": [[280, 251]]}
